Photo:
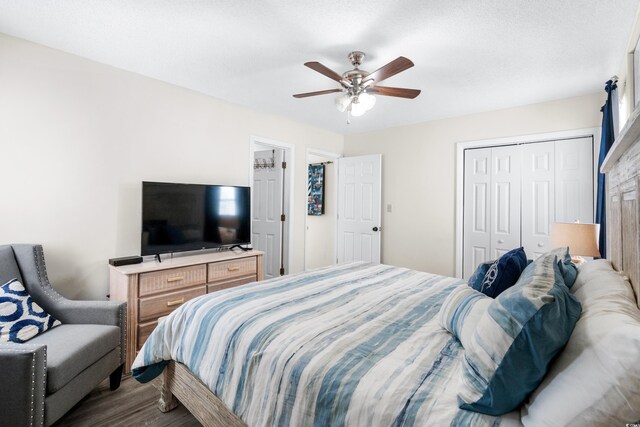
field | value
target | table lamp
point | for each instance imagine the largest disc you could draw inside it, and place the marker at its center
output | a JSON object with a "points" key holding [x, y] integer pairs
{"points": [[582, 239]]}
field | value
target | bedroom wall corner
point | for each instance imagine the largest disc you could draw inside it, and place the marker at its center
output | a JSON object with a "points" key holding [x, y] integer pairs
{"points": [[78, 137], [419, 166]]}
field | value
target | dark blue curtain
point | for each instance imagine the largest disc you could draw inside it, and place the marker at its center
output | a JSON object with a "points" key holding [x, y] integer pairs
{"points": [[606, 141]]}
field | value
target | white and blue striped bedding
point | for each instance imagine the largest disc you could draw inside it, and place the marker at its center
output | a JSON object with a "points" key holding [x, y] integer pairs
{"points": [[351, 345]]}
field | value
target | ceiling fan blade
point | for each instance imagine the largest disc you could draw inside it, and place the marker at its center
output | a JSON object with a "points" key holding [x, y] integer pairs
{"points": [[319, 92], [395, 91], [316, 66], [391, 69]]}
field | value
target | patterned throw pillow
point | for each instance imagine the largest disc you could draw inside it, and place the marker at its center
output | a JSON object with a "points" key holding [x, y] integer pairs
{"points": [[475, 281], [516, 339], [503, 273], [20, 317], [461, 311]]}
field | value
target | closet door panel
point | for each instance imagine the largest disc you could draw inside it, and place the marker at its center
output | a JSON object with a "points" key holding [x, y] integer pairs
{"points": [[538, 197], [505, 199], [574, 180], [477, 226]]}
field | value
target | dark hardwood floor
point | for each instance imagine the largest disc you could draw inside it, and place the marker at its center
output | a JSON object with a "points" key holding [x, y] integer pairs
{"points": [[133, 404]]}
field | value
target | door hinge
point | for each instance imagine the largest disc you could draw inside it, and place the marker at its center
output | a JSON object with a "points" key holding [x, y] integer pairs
{"points": [[284, 165], [283, 217]]}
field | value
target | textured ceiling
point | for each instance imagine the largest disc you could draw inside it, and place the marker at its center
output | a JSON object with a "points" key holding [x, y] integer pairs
{"points": [[470, 56]]}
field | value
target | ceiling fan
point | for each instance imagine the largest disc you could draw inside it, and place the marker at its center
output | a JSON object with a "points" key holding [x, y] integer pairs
{"points": [[359, 86]]}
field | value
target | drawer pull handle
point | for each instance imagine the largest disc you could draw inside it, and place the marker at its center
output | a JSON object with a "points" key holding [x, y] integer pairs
{"points": [[175, 278], [236, 268], [175, 302]]}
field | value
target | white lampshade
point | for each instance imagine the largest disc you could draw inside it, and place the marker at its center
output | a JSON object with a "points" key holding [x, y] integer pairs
{"points": [[367, 100], [342, 102], [582, 239], [358, 108]]}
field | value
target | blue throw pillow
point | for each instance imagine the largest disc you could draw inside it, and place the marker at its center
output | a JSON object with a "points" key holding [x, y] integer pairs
{"points": [[514, 342], [20, 317], [568, 269], [503, 273], [475, 281]]}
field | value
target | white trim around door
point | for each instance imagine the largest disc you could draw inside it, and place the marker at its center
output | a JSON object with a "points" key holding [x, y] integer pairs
{"points": [[522, 139]]}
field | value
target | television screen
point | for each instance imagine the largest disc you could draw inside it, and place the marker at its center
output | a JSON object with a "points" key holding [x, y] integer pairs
{"points": [[186, 217]]}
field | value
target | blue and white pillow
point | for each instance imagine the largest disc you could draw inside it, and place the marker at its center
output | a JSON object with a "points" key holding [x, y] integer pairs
{"points": [[567, 267], [516, 339], [20, 317], [462, 310], [502, 274]]}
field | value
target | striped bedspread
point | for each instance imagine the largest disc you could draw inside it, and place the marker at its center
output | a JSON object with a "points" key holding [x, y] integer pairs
{"points": [[351, 345]]}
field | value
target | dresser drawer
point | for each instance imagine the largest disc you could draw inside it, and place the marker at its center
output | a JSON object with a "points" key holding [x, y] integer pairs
{"points": [[230, 284], [153, 307], [230, 269], [175, 278], [144, 330]]}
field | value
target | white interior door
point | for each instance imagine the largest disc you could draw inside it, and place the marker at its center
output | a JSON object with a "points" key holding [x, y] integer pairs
{"points": [[505, 200], [266, 224], [359, 208], [538, 196], [574, 180], [477, 208]]}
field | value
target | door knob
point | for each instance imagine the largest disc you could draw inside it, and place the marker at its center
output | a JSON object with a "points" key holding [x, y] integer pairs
{"points": [[500, 241], [375, 228], [540, 244]]}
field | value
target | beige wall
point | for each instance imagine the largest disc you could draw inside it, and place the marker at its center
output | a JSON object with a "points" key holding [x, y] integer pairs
{"points": [[78, 137], [321, 229], [418, 173]]}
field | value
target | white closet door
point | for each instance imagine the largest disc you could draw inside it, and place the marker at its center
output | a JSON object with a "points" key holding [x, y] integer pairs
{"points": [[505, 200], [574, 180], [538, 197], [477, 208]]}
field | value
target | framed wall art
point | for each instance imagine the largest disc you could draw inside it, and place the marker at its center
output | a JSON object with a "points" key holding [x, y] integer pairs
{"points": [[315, 190]]}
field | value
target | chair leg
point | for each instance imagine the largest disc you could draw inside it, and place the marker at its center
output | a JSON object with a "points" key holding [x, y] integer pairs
{"points": [[115, 378]]}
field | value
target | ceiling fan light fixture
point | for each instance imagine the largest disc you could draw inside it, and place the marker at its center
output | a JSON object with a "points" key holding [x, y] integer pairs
{"points": [[356, 84], [357, 108], [342, 102], [367, 100]]}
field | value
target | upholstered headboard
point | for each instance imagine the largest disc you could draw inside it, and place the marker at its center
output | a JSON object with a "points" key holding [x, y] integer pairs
{"points": [[622, 168]]}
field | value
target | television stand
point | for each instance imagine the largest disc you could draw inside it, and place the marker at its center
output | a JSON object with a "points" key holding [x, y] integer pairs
{"points": [[239, 246], [158, 258]]}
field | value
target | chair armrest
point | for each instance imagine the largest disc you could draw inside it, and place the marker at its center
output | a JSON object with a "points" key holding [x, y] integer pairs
{"points": [[23, 385]]}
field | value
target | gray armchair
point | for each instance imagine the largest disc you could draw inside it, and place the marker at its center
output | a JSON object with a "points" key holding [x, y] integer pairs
{"points": [[42, 379]]}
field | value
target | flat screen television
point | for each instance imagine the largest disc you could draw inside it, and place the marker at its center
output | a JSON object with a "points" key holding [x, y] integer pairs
{"points": [[186, 217]]}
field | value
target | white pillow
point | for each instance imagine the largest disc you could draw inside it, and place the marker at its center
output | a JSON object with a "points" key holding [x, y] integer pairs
{"points": [[596, 379]]}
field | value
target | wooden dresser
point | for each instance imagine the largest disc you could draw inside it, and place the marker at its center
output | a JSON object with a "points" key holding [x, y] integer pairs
{"points": [[152, 289]]}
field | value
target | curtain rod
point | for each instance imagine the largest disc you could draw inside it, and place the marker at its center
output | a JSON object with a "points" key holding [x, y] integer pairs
{"points": [[321, 163]]}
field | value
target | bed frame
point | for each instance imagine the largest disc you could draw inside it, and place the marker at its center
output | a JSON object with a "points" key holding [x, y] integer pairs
{"points": [[622, 167]]}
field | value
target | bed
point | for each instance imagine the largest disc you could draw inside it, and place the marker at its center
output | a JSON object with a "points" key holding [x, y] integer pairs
{"points": [[346, 345]]}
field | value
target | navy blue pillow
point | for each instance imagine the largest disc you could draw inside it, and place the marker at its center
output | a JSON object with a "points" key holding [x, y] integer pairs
{"points": [[503, 273], [475, 281]]}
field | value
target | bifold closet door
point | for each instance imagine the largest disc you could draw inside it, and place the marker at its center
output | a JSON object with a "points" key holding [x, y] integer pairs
{"points": [[513, 193], [491, 204], [477, 208], [574, 180], [505, 200], [538, 196]]}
